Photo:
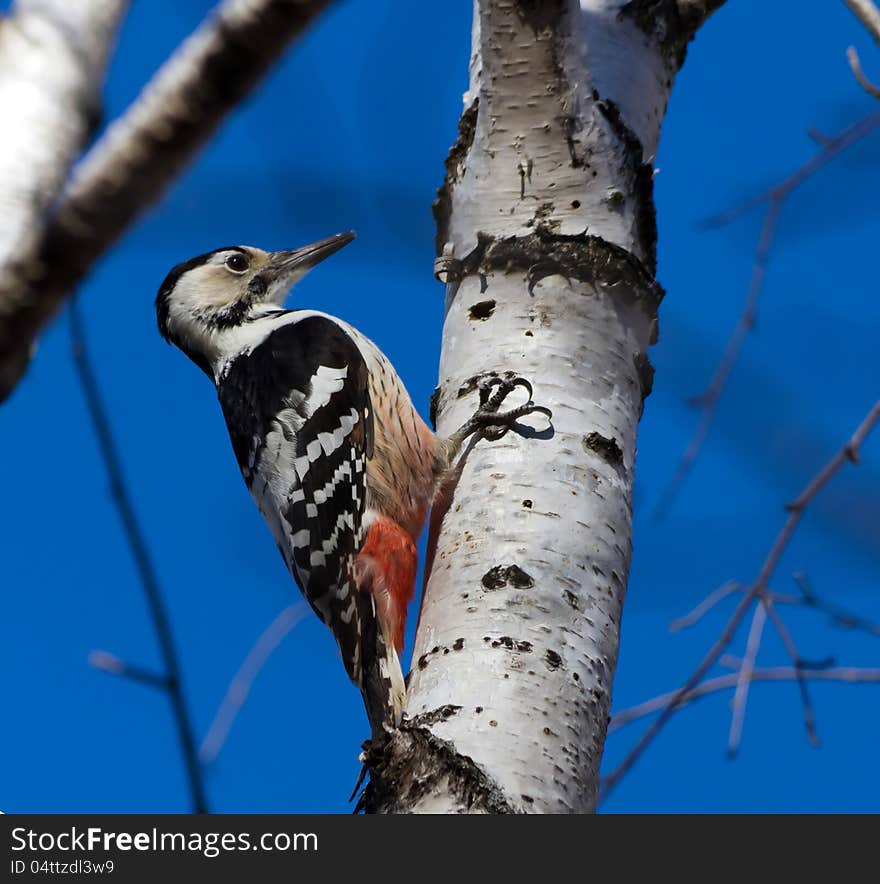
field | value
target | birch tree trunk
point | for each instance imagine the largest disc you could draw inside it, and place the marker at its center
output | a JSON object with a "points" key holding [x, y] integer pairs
{"points": [[546, 226]]}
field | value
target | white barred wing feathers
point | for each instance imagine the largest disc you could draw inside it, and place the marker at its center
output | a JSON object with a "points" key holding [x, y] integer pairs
{"points": [[299, 416]]}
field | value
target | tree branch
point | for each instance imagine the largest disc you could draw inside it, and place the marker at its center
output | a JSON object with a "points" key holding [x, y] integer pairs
{"points": [[53, 54], [171, 681], [856, 67], [869, 15], [744, 678], [799, 664], [849, 675], [757, 591], [707, 402], [839, 616], [113, 665], [705, 606], [138, 158], [240, 686]]}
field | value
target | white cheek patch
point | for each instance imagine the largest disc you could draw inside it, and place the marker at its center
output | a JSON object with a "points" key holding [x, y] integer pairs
{"points": [[209, 287]]}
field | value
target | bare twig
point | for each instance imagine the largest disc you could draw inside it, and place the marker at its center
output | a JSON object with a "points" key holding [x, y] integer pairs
{"points": [[767, 600], [849, 675], [706, 605], [173, 684], [139, 156], [868, 14], [819, 137], [856, 67], [113, 665], [839, 616], [799, 665], [240, 686], [757, 590], [744, 679], [775, 197]]}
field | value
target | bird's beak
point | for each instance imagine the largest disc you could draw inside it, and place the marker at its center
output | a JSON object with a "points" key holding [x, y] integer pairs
{"points": [[289, 267]]}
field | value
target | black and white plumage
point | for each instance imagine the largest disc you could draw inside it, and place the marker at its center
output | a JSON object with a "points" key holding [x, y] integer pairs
{"points": [[297, 408], [294, 387], [340, 464]]}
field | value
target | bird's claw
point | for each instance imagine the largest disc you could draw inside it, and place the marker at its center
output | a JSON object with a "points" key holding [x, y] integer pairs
{"points": [[493, 423], [506, 385]]}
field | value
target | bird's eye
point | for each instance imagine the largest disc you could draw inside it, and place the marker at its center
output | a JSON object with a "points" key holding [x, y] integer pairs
{"points": [[237, 263]]}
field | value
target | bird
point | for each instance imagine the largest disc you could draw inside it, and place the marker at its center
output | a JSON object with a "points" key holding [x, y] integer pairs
{"points": [[338, 460]]}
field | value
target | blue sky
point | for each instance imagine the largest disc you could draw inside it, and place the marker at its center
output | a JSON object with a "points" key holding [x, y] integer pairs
{"points": [[351, 131]]}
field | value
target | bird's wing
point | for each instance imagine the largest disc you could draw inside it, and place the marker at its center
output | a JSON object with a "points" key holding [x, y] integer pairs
{"points": [[301, 423]]}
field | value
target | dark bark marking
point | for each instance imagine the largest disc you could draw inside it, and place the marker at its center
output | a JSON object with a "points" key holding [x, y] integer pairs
{"points": [[432, 408], [663, 22], [606, 448], [507, 575], [554, 661], [586, 258], [455, 164], [540, 15], [423, 661], [643, 185], [443, 713], [412, 763], [571, 126], [511, 644], [481, 311], [645, 373]]}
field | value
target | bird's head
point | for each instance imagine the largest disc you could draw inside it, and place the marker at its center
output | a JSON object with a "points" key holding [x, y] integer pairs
{"points": [[228, 288]]}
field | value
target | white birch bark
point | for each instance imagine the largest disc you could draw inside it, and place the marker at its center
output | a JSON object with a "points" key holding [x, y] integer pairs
{"points": [[547, 221], [140, 155], [53, 54]]}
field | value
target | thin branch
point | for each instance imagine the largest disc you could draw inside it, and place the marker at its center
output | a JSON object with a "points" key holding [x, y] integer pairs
{"points": [[767, 600], [818, 137], [839, 616], [849, 452], [775, 197], [134, 536], [849, 675], [240, 686], [868, 14], [705, 606], [856, 68], [799, 665], [139, 156], [744, 679], [113, 665]]}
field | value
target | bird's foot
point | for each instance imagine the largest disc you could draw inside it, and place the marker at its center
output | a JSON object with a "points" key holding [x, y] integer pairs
{"points": [[491, 423]]}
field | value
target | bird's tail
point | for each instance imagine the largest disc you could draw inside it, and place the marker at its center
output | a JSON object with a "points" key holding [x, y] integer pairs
{"points": [[385, 576], [381, 678]]}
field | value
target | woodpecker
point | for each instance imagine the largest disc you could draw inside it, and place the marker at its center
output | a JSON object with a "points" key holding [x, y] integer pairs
{"points": [[339, 462]]}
